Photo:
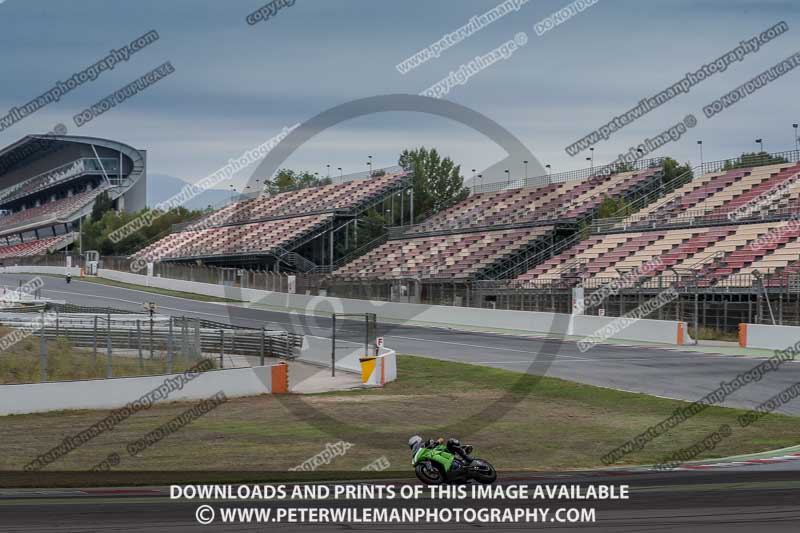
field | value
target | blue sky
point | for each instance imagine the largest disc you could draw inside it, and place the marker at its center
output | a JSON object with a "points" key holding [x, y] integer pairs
{"points": [[236, 85]]}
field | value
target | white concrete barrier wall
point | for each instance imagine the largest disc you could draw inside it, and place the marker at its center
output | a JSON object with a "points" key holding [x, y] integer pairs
{"points": [[768, 337], [56, 271], [657, 331], [385, 369], [118, 392]]}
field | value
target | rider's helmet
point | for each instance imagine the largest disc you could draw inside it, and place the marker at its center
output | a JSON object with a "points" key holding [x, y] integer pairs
{"points": [[415, 443]]}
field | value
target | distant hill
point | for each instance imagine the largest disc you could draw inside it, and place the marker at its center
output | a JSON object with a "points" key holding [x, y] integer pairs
{"points": [[161, 187]]}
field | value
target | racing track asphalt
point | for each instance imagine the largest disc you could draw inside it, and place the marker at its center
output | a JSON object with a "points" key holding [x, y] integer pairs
{"points": [[731, 502], [666, 372]]}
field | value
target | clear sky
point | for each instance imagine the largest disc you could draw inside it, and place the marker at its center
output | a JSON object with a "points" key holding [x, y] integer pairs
{"points": [[236, 85]]}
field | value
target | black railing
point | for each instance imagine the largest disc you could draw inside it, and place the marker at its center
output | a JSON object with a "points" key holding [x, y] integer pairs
{"points": [[583, 173], [751, 160], [692, 217]]}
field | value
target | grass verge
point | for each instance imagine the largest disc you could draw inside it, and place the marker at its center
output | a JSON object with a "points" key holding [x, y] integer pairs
{"points": [[519, 422], [21, 363], [706, 333]]}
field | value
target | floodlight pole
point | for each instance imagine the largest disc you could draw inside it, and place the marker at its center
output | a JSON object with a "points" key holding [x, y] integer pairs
{"points": [[411, 196]]}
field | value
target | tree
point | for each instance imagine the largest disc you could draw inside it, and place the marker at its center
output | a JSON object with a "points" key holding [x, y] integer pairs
{"points": [[102, 204], [622, 166], [753, 159], [290, 180], [95, 233], [438, 183], [673, 169], [611, 207]]}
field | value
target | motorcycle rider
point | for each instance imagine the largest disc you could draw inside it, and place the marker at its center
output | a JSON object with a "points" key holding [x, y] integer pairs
{"points": [[452, 445]]}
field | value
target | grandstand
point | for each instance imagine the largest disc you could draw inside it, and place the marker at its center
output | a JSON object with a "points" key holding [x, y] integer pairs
{"points": [[734, 193], [724, 218], [489, 230], [292, 231], [48, 183], [723, 235]]}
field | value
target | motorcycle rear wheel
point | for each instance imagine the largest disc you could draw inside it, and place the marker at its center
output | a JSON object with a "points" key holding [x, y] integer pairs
{"points": [[483, 472]]}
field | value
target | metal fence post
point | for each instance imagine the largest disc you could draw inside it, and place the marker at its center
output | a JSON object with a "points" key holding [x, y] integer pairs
{"points": [[184, 338], [262, 346], [222, 348], [109, 369], [169, 348], [366, 334], [42, 348], [56, 322], [197, 339], [333, 346], [139, 344], [151, 335], [94, 342]]}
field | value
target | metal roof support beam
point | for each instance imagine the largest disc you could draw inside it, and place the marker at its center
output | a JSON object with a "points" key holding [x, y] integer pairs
{"points": [[97, 156]]}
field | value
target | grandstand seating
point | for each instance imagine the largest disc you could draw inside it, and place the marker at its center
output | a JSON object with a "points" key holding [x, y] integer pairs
{"points": [[716, 254], [48, 211], [252, 238], [458, 253], [36, 247], [480, 232], [45, 180], [269, 223], [562, 200], [316, 199], [445, 256], [612, 186], [717, 195]]}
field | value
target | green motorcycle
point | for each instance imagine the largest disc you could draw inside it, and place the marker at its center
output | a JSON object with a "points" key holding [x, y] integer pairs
{"points": [[435, 464]]}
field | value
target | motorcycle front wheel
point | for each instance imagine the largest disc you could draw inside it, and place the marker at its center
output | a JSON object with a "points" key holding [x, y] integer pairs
{"points": [[429, 473], [483, 472]]}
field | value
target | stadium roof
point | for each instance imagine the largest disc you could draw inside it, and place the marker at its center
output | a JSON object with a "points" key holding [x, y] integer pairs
{"points": [[39, 145]]}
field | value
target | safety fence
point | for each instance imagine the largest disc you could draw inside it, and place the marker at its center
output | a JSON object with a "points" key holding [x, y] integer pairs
{"points": [[299, 283], [123, 344], [583, 173]]}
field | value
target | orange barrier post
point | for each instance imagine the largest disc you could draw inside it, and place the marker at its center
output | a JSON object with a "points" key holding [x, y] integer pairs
{"points": [[680, 333], [280, 378], [743, 335]]}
